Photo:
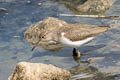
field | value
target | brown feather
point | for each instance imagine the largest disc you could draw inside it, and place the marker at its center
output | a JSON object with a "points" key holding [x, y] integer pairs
{"points": [[76, 32]]}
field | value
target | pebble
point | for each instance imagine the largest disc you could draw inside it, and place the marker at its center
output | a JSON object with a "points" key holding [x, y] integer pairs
{"points": [[28, 2], [39, 4]]}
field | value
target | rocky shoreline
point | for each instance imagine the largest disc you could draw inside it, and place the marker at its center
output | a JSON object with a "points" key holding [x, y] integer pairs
{"points": [[88, 6], [41, 71]]}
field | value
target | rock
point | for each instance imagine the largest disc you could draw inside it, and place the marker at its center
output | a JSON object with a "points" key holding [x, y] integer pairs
{"points": [[88, 6], [38, 71], [3, 10], [29, 2], [87, 72], [96, 6], [39, 4]]}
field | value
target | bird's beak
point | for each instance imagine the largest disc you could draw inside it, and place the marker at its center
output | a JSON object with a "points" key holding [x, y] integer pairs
{"points": [[33, 48]]}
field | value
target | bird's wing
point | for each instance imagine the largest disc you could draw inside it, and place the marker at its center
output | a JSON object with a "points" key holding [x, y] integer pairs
{"points": [[76, 32]]}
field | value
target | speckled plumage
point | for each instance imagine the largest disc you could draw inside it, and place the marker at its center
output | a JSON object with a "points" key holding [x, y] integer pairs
{"points": [[76, 32], [42, 33]]}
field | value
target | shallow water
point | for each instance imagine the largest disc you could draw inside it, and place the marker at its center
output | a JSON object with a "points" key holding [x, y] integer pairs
{"points": [[21, 13]]}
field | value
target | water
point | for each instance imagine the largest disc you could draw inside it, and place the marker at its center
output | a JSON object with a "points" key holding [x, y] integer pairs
{"points": [[21, 13]]}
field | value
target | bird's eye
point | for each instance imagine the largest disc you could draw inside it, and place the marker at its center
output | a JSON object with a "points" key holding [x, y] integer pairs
{"points": [[42, 36]]}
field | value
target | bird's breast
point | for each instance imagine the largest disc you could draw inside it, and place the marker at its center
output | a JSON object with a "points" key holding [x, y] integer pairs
{"points": [[74, 44]]}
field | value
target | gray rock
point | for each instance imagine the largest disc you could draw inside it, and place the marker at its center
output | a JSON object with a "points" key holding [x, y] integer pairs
{"points": [[38, 71], [88, 6], [87, 72]]}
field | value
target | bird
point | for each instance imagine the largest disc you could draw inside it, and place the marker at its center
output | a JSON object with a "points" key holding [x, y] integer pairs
{"points": [[71, 35], [75, 35]]}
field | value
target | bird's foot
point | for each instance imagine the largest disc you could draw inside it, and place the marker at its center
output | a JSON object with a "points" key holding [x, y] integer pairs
{"points": [[76, 53]]}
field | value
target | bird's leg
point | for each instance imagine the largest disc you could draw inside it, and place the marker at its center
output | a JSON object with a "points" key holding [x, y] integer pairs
{"points": [[76, 53]]}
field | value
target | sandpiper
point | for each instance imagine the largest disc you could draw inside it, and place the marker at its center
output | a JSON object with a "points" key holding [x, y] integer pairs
{"points": [[74, 35], [71, 35]]}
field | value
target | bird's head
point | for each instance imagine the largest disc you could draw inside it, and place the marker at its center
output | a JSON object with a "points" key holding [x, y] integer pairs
{"points": [[45, 37], [35, 37]]}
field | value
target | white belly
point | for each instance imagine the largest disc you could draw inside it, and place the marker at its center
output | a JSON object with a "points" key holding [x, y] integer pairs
{"points": [[74, 44]]}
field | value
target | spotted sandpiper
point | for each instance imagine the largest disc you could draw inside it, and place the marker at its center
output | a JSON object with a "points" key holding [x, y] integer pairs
{"points": [[76, 35], [71, 35]]}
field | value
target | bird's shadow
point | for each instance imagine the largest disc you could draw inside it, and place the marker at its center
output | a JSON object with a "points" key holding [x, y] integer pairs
{"points": [[66, 52]]}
